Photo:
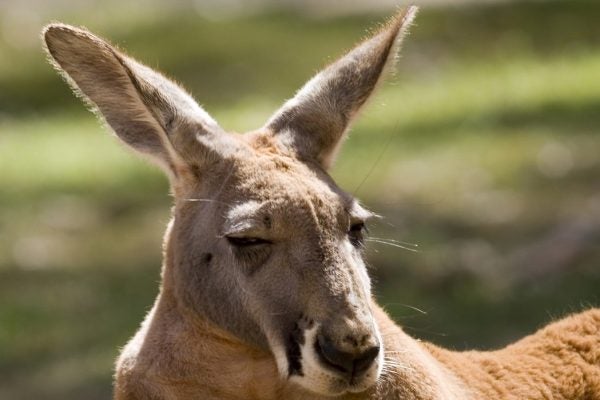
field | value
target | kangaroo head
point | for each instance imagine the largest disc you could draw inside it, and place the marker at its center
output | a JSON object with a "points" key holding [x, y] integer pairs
{"points": [[262, 243]]}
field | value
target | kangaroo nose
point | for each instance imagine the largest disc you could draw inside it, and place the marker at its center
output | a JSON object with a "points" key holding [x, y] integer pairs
{"points": [[350, 363]]}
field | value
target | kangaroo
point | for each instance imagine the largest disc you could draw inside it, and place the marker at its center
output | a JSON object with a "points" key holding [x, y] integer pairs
{"points": [[264, 291]]}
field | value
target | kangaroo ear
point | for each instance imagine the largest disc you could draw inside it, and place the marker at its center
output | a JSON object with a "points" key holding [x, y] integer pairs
{"points": [[146, 110], [313, 123]]}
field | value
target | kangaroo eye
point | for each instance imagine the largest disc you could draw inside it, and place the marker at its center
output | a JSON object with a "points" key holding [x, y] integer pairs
{"points": [[243, 241], [250, 251], [356, 234]]}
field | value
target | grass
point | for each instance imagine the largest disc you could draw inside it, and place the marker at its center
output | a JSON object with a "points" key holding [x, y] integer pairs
{"points": [[481, 148]]}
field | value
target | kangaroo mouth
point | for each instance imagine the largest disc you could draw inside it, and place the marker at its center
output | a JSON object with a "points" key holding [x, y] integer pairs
{"points": [[318, 368]]}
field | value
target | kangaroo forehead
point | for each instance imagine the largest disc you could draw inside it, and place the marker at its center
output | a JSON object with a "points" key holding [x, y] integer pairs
{"points": [[271, 176], [277, 184]]}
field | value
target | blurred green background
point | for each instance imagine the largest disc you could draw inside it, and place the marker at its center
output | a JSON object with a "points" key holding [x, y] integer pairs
{"points": [[483, 150]]}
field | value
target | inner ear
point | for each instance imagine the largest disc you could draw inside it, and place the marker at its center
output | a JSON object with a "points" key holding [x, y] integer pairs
{"points": [[314, 122], [147, 111]]}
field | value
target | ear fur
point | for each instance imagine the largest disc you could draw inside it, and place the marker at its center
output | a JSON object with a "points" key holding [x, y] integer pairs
{"points": [[314, 122], [147, 111]]}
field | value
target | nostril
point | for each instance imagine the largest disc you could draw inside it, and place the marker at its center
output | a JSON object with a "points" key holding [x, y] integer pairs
{"points": [[365, 360], [330, 355], [350, 364]]}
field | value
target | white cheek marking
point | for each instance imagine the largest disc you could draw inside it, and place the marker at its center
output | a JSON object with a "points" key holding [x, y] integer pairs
{"points": [[309, 357], [315, 378], [279, 353], [381, 355]]}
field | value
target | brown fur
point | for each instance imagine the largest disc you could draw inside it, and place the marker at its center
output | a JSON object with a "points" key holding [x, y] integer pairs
{"points": [[560, 362], [235, 321]]}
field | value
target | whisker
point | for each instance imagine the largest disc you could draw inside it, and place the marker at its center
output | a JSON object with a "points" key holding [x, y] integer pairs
{"points": [[393, 360], [392, 364], [218, 192], [407, 306], [395, 352], [392, 244], [384, 240], [397, 366], [395, 241], [424, 330]]}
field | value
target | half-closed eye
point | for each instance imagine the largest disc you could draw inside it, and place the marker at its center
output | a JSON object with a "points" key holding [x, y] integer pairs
{"points": [[246, 241], [356, 234]]}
